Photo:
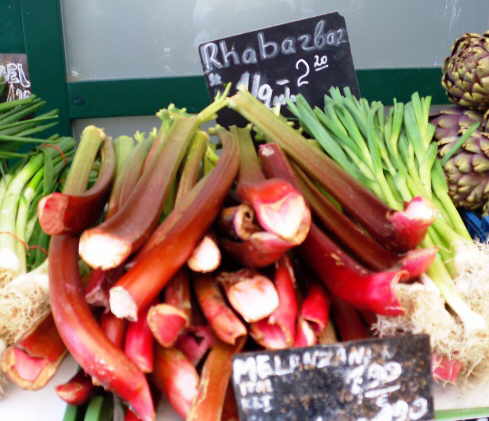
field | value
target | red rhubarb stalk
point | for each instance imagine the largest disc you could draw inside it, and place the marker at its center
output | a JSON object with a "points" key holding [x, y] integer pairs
{"points": [[230, 409], [195, 342], [83, 337], [279, 207], [238, 222], [313, 316], [278, 330], [250, 293], [224, 322], [139, 343], [347, 321], [130, 416], [77, 390], [114, 328], [61, 213], [110, 243], [399, 231], [206, 257], [368, 250], [208, 405], [261, 249], [98, 286], [33, 361], [138, 287], [347, 279], [176, 377]]}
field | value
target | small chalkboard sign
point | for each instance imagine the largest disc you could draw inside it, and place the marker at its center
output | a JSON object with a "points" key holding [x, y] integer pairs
{"points": [[385, 379], [13, 69], [276, 63]]}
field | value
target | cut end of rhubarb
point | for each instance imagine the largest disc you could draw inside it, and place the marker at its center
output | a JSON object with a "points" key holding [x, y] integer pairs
{"points": [[122, 304], [27, 372], [101, 251], [444, 369], [411, 224], [417, 261], [49, 210], [251, 294], [166, 323], [280, 209], [206, 257]]}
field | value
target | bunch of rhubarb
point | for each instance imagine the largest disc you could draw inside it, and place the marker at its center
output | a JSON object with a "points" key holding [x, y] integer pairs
{"points": [[199, 244]]}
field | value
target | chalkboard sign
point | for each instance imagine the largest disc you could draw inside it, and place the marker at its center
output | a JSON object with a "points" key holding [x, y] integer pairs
{"points": [[13, 69], [276, 63], [385, 379]]}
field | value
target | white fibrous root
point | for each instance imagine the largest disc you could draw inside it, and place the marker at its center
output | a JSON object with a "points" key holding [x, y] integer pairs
{"points": [[427, 312], [24, 301], [3, 378]]}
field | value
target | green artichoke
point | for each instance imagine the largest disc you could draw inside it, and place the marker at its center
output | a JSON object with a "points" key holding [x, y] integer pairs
{"points": [[466, 72], [467, 171]]}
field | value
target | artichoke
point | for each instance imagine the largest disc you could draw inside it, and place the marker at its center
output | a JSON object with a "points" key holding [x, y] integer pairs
{"points": [[467, 171], [466, 72]]}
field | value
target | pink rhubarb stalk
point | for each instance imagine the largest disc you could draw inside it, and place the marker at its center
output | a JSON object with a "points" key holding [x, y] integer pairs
{"points": [[61, 213], [33, 361], [77, 390], [143, 282], [114, 328], [224, 322], [347, 279], [278, 330], [176, 377], [195, 342], [313, 316], [250, 293], [139, 343], [280, 209], [98, 286], [399, 231]]}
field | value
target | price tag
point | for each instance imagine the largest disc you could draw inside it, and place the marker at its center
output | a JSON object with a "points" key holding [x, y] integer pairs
{"points": [[385, 379], [13, 69], [277, 63]]}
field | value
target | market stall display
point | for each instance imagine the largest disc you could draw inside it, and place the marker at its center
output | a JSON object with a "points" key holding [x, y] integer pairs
{"points": [[154, 259]]}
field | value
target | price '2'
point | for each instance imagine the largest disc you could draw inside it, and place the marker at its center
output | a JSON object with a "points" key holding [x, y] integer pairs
{"points": [[319, 63]]}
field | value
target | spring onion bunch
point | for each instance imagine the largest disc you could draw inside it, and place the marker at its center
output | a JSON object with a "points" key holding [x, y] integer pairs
{"points": [[391, 152]]}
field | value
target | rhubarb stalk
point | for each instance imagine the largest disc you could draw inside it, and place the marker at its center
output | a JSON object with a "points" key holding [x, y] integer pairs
{"points": [[224, 322], [139, 343], [109, 244], [169, 319], [250, 293], [278, 330], [347, 279], [142, 283], [209, 403], [77, 390], [176, 378], [379, 220]]}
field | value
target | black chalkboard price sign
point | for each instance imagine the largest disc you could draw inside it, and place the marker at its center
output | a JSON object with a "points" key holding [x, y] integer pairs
{"points": [[385, 379], [13, 70], [276, 63]]}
